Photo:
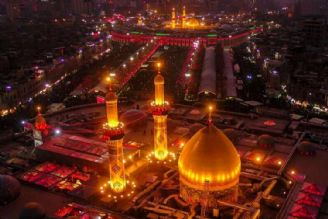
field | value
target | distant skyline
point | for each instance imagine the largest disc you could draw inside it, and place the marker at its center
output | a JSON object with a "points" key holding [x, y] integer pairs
{"points": [[305, 7]]}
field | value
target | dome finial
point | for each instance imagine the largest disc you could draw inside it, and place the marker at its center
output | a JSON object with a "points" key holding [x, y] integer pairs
{"points": [[38, 109], [109, 83], [210, 109], [159, 65], [111, 95]]}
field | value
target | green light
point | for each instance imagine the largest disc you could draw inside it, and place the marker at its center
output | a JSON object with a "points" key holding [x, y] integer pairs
{"points": [[162, 34], [136, 32], [212, 35]]}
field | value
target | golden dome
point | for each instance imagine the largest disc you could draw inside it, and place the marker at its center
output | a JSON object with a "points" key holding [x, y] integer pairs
{"points": [[193, 22], [209, 156], [159, 79], [110, 96]]}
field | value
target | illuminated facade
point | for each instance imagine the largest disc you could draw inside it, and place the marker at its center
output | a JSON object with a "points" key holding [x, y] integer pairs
{"points": [[113, 134], [159, 111], [187, 23], [209, 167]]}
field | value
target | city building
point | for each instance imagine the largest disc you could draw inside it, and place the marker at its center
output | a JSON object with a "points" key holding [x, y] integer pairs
{"points": [[315, 30], [13, 10], [81, 7]]}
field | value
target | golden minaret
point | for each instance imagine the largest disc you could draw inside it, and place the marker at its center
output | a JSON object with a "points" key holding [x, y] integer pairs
{"points": [[184, 17], [173, 19], [159, 110], [113, 134]]}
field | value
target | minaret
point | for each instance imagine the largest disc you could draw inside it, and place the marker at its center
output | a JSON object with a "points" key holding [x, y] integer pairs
{"points": [[140, 23], [41, 129], [113, 134], [173, 20], [184, 17], [159, 111]]}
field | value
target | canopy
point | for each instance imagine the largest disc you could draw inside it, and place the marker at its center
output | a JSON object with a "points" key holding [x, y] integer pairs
{"points": [[308, 199], [300, 211], [228, 72], [208, 77], [314, 189]]}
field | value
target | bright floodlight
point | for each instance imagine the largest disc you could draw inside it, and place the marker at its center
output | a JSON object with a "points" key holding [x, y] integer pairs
{"points": [[57, 131], [258, 159]]}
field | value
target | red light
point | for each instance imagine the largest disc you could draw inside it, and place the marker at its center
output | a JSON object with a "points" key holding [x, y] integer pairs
{"points": [[100, 99]]}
